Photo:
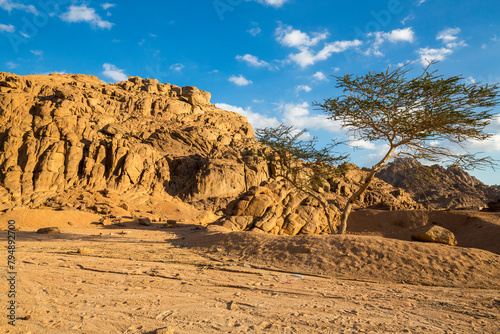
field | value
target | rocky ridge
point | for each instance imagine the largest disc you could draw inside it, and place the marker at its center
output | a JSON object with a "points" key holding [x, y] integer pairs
{"points": [[62, 132], [439, 187]]}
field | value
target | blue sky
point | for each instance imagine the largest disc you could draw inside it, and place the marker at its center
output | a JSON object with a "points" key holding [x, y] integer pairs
{"points": [[267, 59]]}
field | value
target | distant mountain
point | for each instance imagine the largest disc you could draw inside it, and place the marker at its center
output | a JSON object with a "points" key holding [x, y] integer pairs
{"points": [[439, 187]]}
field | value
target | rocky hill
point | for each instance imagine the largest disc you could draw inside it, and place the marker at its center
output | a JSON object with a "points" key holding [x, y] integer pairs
{"points": [[72, 140], [439, 187]]}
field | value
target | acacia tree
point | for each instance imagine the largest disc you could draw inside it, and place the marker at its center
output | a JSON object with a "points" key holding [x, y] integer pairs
{"points": [[300, 162], [424, 117]]}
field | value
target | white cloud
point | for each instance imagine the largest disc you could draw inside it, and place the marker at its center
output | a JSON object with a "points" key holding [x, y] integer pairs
{"points": [[290, 37], [107, 6], [309, 57], [410, 17], [240, 80], [255, 30], [9, 5], [274, 3], [401, 35], [419, 2], [492, 144], [320, 76], [470, 80], [362, 144], [38, 53], [252, 61], [257, 120], [114, 73], [428, 55], [82, 13], [449, 36], [7, 28], [299, 116], [495, 123], [394, 36], [304, 88], [177, 67]]}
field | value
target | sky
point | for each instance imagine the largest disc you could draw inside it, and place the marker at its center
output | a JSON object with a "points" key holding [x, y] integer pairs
{"points": [[266, 59]]}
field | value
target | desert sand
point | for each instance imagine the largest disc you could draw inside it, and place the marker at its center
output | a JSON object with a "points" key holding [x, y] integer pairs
{"points": [[195, 278]]}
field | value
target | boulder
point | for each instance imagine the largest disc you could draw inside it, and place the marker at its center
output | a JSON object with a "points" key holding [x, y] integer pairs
{"points": [[145, 221], [436, 234], [49, 230]]}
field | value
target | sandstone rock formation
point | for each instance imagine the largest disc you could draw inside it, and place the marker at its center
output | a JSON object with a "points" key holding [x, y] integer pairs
{"points": [[438, 187], [277, 207], [62, 132]]}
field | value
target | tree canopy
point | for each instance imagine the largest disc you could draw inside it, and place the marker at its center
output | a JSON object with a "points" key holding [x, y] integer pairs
{"points": [[424, 117]]}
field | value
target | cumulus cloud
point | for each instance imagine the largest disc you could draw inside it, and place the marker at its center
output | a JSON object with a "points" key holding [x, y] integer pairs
{"points": [[253, 61], [9, 5], [492, 144], [320, 76], [257, 120], [82, 13], [7, 28], [294, 38], [309, 57], [240, 80], [304, 88], [428, 55], [495, 123], [114, 73], [290, 37], [449, 37], [107, 6], [300, 116], [394, 36], [362, 144]]}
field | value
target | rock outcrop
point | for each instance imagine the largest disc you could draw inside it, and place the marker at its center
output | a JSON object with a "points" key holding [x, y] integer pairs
{"points": [[438, 187], [278, 208], [62, 132]]}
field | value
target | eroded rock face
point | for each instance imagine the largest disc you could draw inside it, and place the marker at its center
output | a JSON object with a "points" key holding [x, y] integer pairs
{"points": [[438, 187], [277, 208], [61, 132]]}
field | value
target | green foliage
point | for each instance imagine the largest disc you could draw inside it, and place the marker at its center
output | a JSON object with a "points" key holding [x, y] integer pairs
{"points": [[412, 114], [299, 161]]}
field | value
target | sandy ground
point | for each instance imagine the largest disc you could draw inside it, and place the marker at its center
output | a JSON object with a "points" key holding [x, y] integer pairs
{"points": [[193, 279]]}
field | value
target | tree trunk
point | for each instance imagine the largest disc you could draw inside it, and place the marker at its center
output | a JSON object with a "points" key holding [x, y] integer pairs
{"points": [[361, 190], [328, 217]]}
